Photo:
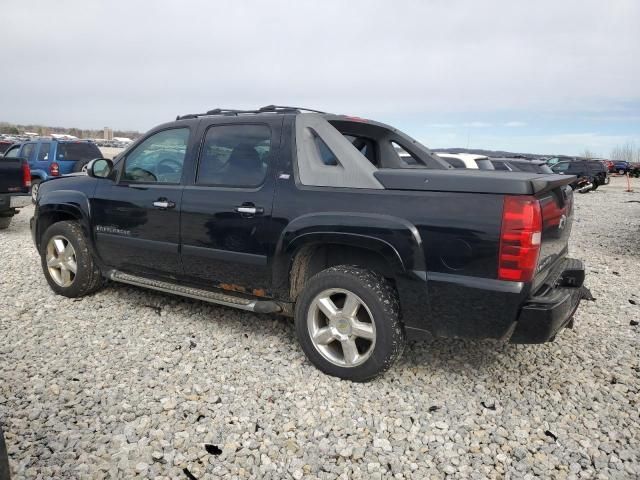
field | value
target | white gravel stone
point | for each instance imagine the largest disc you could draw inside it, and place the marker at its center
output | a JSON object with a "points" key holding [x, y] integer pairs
{"points": [[110, 386]]}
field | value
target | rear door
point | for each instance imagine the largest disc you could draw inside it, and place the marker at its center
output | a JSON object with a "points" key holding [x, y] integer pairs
{"points": [[29, 152], [69, 154], [43, 157], [227, 205], [137, 216]]}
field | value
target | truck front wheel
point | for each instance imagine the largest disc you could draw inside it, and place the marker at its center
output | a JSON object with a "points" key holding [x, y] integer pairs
{"points": [[5, 222], [348, 323], [66, 261]]}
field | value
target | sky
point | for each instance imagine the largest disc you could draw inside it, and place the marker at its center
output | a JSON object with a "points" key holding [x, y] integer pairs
{"points": [[538, 76]]}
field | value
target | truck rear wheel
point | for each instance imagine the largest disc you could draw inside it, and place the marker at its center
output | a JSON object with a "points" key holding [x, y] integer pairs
{"points": [[35, 186], [5, 222], [66, 261], [348, 323]]}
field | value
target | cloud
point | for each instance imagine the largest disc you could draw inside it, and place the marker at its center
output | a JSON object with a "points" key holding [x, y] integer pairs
{"points": [[515, 124], [476, 125], [441, 125], [123, 64]]}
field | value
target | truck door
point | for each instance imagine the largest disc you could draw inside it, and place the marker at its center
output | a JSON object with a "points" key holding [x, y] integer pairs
{"points": [[136, 218], [227, 205], [44, 158]]}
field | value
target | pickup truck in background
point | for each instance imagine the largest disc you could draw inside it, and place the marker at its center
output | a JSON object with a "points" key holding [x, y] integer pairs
{"points": [[15, 182], [319, 217], [49, 158]]}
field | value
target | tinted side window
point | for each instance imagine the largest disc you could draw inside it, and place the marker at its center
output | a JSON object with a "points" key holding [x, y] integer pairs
{"points": [[28, 151], [43, 153], [159, 159], [324, 152], [575, 167], [561, 167], [499, 165], [13, 153], [234, 156]]}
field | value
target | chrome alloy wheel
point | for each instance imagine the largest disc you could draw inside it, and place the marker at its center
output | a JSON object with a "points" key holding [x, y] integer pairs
{"points": [[61, 261], [34, 191], [341, 327]]}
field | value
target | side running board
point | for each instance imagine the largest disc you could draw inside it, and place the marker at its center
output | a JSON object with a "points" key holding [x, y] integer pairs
{"points": [[258, 306]]}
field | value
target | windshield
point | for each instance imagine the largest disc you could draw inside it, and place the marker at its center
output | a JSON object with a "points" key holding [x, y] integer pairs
{"points": [[75, 152]]}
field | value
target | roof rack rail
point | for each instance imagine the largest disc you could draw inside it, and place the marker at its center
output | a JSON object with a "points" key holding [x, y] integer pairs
{"points": [[230, 111]]}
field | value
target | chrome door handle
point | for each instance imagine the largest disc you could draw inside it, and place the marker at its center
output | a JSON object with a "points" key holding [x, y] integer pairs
{"points": [[249, 210], [163, 204]]}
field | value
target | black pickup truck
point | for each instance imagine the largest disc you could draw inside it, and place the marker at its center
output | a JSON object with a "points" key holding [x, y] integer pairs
{"points": [[350, 226], [15, 182]]}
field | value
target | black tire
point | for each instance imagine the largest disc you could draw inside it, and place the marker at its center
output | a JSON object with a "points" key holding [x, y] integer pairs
{"points": [[381, 300], [4, 224], [35, 185], [87, 278], [80, 164], [4, 459]]}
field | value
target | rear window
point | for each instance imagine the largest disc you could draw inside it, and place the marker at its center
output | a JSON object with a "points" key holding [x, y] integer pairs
{"points": [[484, 164], [4, 146], [77, 152], [454, 162]]}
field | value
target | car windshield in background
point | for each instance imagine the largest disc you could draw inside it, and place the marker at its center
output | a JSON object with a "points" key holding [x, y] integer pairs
{"points": [[77, 152], [4, 146]]}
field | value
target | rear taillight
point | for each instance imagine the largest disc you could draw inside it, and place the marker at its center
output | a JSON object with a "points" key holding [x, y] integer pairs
{"points": [[26, 175], [519, 238], [54, 169]]}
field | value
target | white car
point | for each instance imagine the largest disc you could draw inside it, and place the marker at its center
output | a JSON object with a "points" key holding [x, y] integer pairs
{"points": [[467, 160]]}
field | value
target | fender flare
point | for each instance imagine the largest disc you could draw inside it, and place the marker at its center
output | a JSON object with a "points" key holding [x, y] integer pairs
{"points": [[396, 239], [69, 202], [39, 174]]}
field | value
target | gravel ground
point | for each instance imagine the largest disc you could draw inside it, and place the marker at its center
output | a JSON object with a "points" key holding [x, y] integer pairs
{"points": [[130, 383]]}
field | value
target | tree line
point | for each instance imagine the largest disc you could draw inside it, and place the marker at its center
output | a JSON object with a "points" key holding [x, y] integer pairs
{"points": [[43, 130]]}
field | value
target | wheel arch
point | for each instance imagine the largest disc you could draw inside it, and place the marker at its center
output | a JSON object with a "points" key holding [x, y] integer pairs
{"points": [[59, 206], [313, 242]]}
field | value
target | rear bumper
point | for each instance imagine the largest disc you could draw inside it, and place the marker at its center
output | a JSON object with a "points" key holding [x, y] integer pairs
{"points": [[9, 202], [544, 315]]}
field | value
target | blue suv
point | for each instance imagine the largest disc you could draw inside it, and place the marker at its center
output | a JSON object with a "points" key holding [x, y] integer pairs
{"points": [[50, 157]]}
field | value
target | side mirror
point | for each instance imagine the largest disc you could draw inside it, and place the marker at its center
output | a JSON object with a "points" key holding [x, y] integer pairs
{"points": [[100, 168]]}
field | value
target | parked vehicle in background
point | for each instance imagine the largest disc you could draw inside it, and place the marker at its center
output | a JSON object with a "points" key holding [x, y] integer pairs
{"points": [[318, 216], [599, 171], [15, 182], [621, 166], [609, 165], [49, 158], [4, 145], [634, 169], [593, 170], [560, 158], [467, 160], [521, 165]]}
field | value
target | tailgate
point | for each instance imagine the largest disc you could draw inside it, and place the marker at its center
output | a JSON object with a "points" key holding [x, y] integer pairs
{"points": [[11, 175], [557, 218]]}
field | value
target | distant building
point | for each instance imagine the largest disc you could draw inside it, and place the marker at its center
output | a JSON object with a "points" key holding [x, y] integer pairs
{"points": [[108, 133]]}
